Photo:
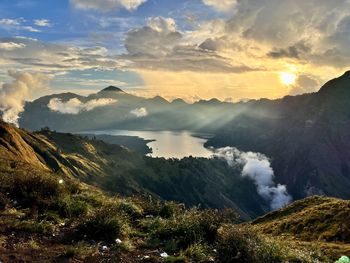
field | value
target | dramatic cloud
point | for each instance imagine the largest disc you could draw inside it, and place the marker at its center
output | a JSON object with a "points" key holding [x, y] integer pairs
{"points": [[160, 46], [107, 5], [42, 22], [139, 112], [13, 95], [75, 106], [221, 5], [265, 35], [257, 167], [313, 31]]}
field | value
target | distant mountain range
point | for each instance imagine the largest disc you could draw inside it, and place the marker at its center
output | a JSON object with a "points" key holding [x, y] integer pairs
{"points": [[307, 136]]}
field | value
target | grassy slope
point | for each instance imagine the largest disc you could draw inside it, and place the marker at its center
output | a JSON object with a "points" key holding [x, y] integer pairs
{"points": [[315, 221]]}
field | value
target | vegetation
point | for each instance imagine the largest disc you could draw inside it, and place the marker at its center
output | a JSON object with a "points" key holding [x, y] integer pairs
{"points": [[53, 209], [71, 220]]}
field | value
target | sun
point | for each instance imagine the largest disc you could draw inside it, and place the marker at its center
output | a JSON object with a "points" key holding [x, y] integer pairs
{"points": [[288, 78]]}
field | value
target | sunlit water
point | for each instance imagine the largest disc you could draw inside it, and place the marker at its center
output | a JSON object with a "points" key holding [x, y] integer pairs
{"points": [[168, 144]]}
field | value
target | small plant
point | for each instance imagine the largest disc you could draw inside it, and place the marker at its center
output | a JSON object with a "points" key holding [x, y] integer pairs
{"points": [[73, 208], [178, 259], [105, 224], [130, 209], [199, 253]]}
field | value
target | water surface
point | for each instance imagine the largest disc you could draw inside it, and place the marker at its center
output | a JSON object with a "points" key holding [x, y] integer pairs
{"points": [[168, 144]]}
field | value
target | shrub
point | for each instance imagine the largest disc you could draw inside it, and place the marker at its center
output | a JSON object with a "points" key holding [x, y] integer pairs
{"points": [[130, 209], [241, 244], [170, 209], [31, 188], [193, 226], [179, 259], [105, 224], [72, 208], [34, 227], [163, 209], [3, 201], [199, 253]]}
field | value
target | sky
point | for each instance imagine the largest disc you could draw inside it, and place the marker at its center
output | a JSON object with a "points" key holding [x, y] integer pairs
{"points": [[192, 49]]}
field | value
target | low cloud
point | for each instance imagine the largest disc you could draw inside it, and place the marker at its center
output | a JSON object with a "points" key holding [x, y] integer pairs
{"points": [[257, 167], [42, 22], [13, 95], [75, 106], [139, 112], [107, 5]]}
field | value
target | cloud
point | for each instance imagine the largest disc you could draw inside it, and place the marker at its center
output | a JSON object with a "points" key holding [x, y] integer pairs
{"points": [[305, 84], [13, 95], [42, 22], [317, 29], [139, 112], [297, 51], [157, 39], [10, 22], [16, 24], [161, 24], [75, 106], [11, 45], [159, 45], [257, 167], [221, 5], [107, 5], [49, 57]]}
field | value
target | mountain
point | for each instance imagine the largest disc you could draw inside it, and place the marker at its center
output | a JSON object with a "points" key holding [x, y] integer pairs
{"points": [[306, 136], [111, 89], [58, 204], [159, 114], [117, 170]]}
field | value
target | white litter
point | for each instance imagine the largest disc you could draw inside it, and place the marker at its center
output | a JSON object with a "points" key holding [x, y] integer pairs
{"points": [[164, 255], [118, 241]]}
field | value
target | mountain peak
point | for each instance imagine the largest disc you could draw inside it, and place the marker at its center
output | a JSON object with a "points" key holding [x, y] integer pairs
{"points": [[340, 84], [112, 89]]}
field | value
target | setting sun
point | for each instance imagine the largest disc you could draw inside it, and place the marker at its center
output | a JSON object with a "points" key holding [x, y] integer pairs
{"points": [[288, 78]]}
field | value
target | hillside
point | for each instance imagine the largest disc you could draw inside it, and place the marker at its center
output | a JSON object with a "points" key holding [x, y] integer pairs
{"points": [[53, 208], [117, 170], [317, 221], [47, 218]]}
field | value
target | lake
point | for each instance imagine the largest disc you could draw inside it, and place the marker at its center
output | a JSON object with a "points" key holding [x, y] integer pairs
{"points": [[168, 144]]}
